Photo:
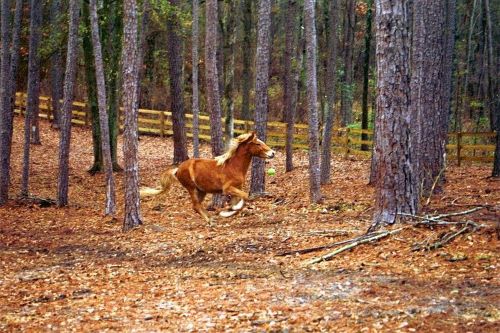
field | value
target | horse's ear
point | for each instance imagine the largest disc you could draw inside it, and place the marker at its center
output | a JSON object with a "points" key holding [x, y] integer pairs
{"points": [[250, 137]]}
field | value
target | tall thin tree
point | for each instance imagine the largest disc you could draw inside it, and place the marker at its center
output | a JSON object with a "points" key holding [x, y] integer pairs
{"points": [[213, 85], [30, 122], [110, 207], [312, 100], [246, 7], [176, 83], [56, 64], [196, 90], [66, 109], [212, 77], [130, 71], [6, 117], [33, 105], [366, 74], [396, 189], [257, 185], [331, 86], [7, 109], [292, 62], [348, 49]]}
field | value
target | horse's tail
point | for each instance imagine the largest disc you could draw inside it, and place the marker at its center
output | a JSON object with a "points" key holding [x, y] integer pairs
{"points": [[166, 180]]}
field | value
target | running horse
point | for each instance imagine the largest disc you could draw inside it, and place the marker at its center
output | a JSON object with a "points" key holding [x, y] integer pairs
{"points": [[224, 174]]}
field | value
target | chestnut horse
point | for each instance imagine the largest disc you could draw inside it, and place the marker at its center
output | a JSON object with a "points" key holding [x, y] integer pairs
{"points": [[224, 174]]}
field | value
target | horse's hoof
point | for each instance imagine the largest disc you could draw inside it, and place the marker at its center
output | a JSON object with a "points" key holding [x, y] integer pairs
{"points": [[239, 205], [226, 213]]}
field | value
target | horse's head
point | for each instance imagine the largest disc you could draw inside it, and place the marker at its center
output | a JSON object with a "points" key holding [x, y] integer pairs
{"points": [[257, 147]]}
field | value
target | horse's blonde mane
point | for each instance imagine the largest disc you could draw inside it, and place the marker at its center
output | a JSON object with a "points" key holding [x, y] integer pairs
{"points": [[233, 146]]}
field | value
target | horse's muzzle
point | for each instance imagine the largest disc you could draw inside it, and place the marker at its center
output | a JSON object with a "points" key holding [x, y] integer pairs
{"points": [[270, 154]]}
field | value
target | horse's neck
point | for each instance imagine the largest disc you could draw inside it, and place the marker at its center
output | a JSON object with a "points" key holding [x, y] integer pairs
{"points": [[240, 162]]}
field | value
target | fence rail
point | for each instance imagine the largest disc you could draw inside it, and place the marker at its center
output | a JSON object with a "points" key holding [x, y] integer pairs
{"points": [[463, 146]]}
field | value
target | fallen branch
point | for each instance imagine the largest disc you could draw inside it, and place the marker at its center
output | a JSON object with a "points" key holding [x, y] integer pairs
{"points": [[469, 227], [330, 232], [326, 247], [437, 220], [436, 180], [332, 254]]}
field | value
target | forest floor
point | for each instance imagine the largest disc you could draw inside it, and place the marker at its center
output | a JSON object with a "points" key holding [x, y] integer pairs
{"points": [[73, 269]]}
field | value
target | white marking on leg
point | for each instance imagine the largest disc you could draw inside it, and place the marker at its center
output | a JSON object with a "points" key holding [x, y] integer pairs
{"points": [[226, 213], [239, 205]]}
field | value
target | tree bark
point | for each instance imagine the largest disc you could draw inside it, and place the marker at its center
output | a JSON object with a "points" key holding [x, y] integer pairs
{"points": [[366, 73], [6, 113], [91, 85], [493, 95], [312, 101], [396, 189], [292, 61], [110, 207], [246, 49], [196, 90], [33, 105], [212, 83], [347, 82], [331, 86], [69, 83], [229, 55], [212, 77], [130, 71], [56, 65], [257, 185], [7, 109], [176, 84], [31, 133]]}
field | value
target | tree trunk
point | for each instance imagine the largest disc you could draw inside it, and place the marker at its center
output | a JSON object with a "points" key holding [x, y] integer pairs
{"points": [[110, 207], [130, 71], [6, 113], [312, 101], [396, 189], [366, 73], [112, 52], [246, 49], [7, 109], [257, 185], [56, 65], [196, 90], [229, 55], [212, 83], [292, 61], [31, 133], [347, 82], [212, 77], [331, 86], [143, 33], [427, 91], [69, 83], [33, 105], [90, 79], [176, 84]]}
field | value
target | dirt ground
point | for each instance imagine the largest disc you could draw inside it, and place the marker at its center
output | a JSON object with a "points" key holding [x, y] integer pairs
{"points": [[73, 269]]}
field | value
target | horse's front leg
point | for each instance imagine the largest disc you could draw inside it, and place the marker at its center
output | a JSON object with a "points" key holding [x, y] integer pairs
{"points": [[237, 201]]}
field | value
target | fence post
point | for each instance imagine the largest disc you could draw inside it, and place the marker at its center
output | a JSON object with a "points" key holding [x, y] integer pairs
{"points": [[346, 142], [162, 124], [459, 148]]}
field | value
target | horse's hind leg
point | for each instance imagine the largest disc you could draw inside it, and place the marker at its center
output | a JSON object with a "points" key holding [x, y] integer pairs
{"points": [[197, 197]]}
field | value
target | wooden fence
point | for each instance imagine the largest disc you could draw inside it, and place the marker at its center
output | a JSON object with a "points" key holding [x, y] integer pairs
{"points": [[463, 146]]}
